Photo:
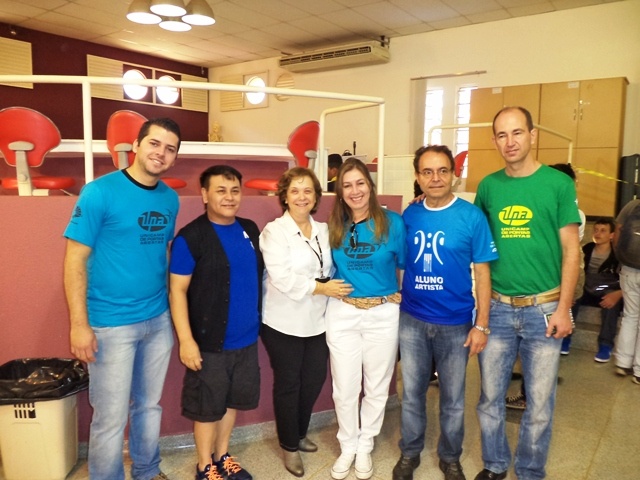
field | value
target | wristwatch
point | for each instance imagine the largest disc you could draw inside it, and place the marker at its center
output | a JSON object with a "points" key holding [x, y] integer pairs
{"points": [[484, 330]]}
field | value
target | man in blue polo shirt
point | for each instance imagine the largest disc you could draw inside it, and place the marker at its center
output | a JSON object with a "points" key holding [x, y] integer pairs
{"points": [[445, 235]]}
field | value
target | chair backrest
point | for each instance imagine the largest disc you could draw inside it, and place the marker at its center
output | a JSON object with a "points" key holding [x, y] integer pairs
{"points": [[458, 161], [303, 143], [122, 130], [21, 124]]}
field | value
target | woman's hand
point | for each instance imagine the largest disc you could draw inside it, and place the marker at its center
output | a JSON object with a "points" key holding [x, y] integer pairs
{"points": [[333, 288]]}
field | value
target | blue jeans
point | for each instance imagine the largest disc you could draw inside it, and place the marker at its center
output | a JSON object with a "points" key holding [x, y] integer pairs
{"points": [[126, 380], [518, 331], [420, 342]]}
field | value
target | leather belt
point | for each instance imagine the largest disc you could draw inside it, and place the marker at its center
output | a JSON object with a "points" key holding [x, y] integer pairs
{"points": [[552, 295], [365, 303]]}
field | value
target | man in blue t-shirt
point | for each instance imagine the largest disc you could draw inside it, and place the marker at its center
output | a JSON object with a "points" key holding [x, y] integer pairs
{"points": [[445, 235], [215, 284], [115, 278]]}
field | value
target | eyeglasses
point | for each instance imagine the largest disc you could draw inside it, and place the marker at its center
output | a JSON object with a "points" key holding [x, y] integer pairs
{"points": [[442, 172], [353, 239]]}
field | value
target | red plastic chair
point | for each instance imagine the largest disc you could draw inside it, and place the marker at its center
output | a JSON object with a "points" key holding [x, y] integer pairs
{"points": [[303, 145], [26, 136], [458, 161], [122, 130]]}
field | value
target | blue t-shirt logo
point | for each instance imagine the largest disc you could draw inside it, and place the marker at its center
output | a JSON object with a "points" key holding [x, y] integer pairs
{"points": [[153, 221]]}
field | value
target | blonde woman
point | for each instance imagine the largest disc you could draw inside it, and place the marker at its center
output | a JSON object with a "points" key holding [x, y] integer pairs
{"points": [[368, 245]]}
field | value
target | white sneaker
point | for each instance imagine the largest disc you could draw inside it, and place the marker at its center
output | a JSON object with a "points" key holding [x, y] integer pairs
{"points": [[364, 466], [342, 466]]}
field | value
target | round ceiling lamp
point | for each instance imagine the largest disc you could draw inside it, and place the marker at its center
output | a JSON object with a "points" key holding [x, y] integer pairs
{"points": [[174, 24], [199, 13], [139, 13], [168, 8]]}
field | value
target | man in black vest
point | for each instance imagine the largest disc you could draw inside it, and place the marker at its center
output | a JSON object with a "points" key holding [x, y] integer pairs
{"points": [[215, 293]]}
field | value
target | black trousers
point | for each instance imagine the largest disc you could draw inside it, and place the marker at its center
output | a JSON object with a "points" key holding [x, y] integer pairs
{"points": [[299, 370]]}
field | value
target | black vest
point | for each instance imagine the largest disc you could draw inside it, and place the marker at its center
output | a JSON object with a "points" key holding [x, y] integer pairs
{"points": [[209, 289]]}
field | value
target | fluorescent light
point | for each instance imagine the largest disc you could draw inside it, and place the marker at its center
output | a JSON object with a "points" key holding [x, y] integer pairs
{"points": [[168, 8], [139, 13], [174, 24], [199, 13]]}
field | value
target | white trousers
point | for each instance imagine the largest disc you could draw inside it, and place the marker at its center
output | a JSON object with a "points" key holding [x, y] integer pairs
{"points": [[363, 347]]}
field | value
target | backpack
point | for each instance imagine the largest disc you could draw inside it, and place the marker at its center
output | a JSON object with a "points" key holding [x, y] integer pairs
{"points": [[628, 248]]}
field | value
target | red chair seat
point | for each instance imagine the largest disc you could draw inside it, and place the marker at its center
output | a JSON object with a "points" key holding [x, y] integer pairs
{"points": [[50, 183], [174, 182], [263, 184]]}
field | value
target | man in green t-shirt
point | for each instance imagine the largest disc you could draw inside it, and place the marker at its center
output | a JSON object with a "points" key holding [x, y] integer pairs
{"points": [[533, 215]]}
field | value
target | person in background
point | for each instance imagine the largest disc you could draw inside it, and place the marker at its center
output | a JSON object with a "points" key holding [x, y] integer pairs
{"points": [[445, 235], [368, 246], [334, 163], [626, 242], [215, 292], [599, 258], [115, 280], [534, 219], [298, 263]]}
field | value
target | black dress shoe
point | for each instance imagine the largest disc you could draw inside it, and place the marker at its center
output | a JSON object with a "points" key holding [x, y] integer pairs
{"points": [[405, 467], [452, 471], [489, 475]]}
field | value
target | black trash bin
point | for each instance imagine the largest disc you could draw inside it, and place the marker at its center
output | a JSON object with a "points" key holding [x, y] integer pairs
{"points": [[39, 417]]}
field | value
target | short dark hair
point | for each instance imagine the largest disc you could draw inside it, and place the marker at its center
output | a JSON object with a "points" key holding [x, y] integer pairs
{"points": [[433, 148], [565, 168], [524, 111], [335, 160], [285, 182], [166, 123], [606, 221], [226, 171]]}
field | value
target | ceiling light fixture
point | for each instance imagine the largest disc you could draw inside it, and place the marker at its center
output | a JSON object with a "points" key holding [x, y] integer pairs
{"points": [[199, 13], [171, 14], [174, 24], [168, 8], [139, 13]]}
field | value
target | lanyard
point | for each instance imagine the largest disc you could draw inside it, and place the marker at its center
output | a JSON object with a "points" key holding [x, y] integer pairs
{"points": [[318, 255]]}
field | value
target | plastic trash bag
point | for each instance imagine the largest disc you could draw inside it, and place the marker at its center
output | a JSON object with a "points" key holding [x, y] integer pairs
{"points": [[41, 379]]}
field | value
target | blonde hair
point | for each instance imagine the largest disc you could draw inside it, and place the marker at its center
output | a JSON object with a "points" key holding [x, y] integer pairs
{"points": [[342, 215]]}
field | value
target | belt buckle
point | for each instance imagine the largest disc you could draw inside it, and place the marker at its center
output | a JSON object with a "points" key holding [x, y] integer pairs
{"points": [[515, 300], [383, 300]]}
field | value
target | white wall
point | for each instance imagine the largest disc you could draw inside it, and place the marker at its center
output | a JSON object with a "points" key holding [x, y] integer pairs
{"points": [[589, 42]]}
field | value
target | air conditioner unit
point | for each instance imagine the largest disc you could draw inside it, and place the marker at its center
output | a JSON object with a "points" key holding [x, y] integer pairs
{"points": [[348, 56]]}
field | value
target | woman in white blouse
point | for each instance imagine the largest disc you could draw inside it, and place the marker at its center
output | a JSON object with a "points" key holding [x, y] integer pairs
{"points": [[298, 264]]}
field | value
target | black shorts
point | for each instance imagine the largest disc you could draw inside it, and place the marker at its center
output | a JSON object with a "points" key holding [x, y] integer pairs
{"points": [[229, 379]]}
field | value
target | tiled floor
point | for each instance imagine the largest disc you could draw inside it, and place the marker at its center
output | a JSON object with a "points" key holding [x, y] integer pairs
{"points": [[596, 434]]}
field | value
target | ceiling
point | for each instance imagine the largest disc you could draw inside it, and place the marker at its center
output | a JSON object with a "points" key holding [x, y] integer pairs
{"points": [[248, 30]]}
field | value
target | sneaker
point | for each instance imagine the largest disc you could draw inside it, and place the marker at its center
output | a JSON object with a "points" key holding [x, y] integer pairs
{"points": [[162, 476], [210, 473], [364, 466], [566, 345], [636, 380], [405, 467], [517, 402], [342, 466], [623, 372], [452, 471], [604, 354], [231, 470]]}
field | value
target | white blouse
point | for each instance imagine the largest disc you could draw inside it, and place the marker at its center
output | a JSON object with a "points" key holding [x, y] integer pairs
{"points": [[292, 264]]}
